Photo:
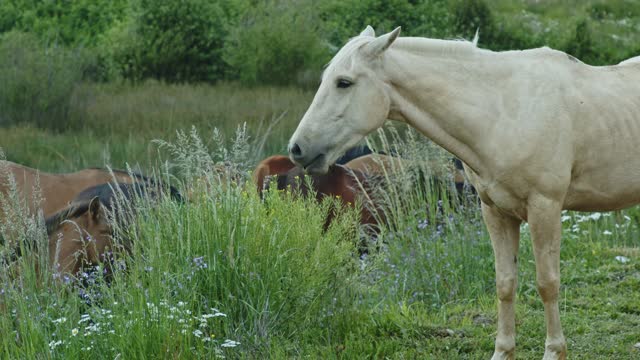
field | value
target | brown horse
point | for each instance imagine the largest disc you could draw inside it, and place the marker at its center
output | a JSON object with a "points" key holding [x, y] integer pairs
{"points": [[56, 190], [82, 234], [350, 186]]}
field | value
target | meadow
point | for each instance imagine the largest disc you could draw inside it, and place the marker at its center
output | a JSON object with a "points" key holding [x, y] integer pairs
{"points": [[230, 275]]}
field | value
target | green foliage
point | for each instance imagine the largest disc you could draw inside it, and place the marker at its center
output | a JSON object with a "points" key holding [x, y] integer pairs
{"points": [[344, 19], [277, 42], [472, 15], [38, 81], [182, 40], [67, 22], [286, 42], [582, 45]]}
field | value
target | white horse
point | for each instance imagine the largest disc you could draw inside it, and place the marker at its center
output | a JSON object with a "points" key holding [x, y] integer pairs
{"points": [[538, 131]]}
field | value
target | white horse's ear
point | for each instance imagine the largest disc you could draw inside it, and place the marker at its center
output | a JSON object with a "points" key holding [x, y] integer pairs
{"points": [[382, 43], [368, 31]]}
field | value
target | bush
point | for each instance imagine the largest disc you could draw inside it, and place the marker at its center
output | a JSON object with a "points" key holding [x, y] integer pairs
{"points": [[37, 81], [181, 40], [277, 43], [119, 51], [582, 45], [69, 22], [470, 16], [344, 19]]}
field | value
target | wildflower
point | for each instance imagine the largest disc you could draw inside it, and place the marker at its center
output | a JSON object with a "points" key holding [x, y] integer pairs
{"points": [[197, 333], [229, 343], [54, 344], [84, 318], [60, 320], [148, 268], [200, 263], [74, 331], [216, 313], [607, 232]]}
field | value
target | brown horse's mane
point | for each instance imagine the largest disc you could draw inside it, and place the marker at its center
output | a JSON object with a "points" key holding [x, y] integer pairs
{"points": [[72, 211]]}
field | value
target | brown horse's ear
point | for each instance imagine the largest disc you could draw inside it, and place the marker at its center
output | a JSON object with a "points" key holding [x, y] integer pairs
{"points": [[273, 165], [95, 209]]}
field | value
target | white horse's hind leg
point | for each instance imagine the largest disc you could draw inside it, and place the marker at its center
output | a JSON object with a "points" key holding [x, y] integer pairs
{"points": [[505, 236], [546, 229]]}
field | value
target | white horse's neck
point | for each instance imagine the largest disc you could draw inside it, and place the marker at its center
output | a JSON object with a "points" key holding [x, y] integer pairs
{"points": [[445, 89]]}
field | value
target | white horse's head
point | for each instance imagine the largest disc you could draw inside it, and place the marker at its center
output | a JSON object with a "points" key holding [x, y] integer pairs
{"points": [[351, 102]]}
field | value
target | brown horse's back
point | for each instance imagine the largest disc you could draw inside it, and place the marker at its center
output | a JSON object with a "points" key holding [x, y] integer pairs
{"points": [[56, 190]]}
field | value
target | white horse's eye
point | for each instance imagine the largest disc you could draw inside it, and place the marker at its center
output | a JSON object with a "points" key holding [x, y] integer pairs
{"points": [[343, 83]]}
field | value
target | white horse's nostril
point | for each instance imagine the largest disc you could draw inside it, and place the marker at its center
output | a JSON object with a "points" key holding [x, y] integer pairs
{"points": [[295, 151]]}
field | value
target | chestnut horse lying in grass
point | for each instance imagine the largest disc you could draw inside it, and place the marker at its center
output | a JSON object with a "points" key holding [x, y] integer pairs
{"points": [[82, 233], [57, 190]]}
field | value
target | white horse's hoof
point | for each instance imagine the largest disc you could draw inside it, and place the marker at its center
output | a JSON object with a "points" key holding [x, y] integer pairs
{"points": [[554, 355], [555, 350], [503, 355]]}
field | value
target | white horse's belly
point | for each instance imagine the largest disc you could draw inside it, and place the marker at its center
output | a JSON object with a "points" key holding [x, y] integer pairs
{"points": [[604, 191]]}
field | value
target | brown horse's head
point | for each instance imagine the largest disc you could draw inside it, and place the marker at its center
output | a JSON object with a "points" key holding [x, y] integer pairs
{"points": [[82, 234], [271, 166], [339, 182], [79, 235]]}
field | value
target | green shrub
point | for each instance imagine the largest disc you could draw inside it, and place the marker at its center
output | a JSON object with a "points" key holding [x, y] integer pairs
{"points": [[37, 81], [277, 42], [181, 40], [69, 22], [343, 19], [119, 51], [470, 16], [582, 46]]}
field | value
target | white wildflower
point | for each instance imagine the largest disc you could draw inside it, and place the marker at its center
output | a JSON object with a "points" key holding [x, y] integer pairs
{"points": [[622, 259], [229, 343]]}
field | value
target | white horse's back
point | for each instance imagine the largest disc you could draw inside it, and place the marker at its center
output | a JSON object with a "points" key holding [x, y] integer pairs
{"points": [[633, 60]]}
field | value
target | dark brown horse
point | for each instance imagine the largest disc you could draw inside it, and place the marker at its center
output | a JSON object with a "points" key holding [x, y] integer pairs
{"points": [[349, 186]]}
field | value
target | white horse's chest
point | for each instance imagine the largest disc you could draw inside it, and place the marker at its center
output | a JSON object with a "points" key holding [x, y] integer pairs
{"points": [[498, 194]]}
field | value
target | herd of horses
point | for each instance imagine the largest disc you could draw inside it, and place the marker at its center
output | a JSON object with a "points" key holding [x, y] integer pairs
{"points": [[82, 209]]}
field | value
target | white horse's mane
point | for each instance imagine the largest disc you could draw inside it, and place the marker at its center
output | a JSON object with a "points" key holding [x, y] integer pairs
{"points": [[454, 47]]}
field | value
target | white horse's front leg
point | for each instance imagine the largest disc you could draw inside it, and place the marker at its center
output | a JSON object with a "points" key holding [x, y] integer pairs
{"points": [[546, 229], [505, 236]]}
